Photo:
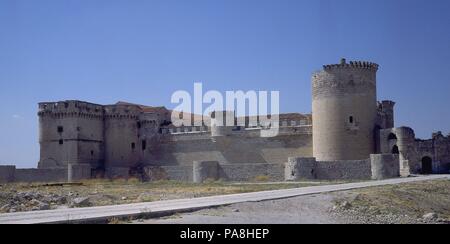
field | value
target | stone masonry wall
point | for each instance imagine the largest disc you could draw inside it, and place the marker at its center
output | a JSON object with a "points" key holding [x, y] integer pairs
{"points": [[40, 175], [385, 166], [9, 174], [250, 172], [235, 172], [309, 168], [238, 149], [332, 170]]}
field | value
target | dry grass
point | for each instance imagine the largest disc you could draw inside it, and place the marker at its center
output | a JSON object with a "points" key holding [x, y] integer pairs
{"points": [[413, 199], [114, 221], [122, 191]]}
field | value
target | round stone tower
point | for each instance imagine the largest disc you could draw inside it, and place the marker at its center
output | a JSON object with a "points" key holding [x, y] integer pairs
{"points": [[344, 108]]}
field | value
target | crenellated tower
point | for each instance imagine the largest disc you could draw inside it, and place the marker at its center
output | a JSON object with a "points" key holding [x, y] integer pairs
{"points": [[70, 132], [149, 135], [344, 109], [386, 114], [121, 138]]}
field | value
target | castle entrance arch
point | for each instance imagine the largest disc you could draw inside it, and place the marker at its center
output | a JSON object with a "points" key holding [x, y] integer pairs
{"points": [[427, 165]]}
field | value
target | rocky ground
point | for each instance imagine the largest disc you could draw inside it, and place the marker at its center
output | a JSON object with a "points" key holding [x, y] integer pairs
{"points": [[410, 203], [413, 203], [34, 197]]}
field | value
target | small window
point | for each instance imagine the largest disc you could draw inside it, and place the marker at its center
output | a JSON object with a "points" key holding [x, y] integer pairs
{"points": [[133, 145], [144, 145], [92, 152], [60, 129], [78, 128], [350, 119], [61, 142]]}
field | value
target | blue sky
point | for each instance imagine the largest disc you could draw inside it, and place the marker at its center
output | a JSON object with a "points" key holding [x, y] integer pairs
{"points": [[143, 51]]}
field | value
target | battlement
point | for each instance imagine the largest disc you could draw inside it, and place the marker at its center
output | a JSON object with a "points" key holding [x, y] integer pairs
{"points": [[149, 118], [122, 111], [387, 103], [340, 80], [352, 65], [70, 108], [385, 106], [439, 135]]}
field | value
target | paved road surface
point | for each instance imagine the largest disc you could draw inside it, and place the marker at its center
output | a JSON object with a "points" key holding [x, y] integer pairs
{"points": [[160, 208]]}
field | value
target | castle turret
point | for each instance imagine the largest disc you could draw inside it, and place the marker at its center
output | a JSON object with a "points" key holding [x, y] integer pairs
{"points": [[70, 132], [344, 109], [386, 114], [121, 139], [149, 135]]}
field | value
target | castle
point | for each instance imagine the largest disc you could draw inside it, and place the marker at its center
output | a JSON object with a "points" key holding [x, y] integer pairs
{"points": [[350, 135]]}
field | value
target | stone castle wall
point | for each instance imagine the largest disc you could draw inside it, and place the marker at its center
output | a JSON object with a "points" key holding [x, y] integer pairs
{"points": [[9, 174], [438, 149], [216, 171], [245, 147], [310, 168], [412, 151], [378, 166]]}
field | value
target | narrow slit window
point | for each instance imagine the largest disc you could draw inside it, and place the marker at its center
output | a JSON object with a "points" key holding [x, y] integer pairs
{"points": [[144, 145], [350, 119]]}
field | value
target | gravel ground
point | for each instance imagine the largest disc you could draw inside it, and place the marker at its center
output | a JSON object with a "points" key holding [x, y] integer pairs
{"points": [[400, 204], [298, 210], [35, 197]]}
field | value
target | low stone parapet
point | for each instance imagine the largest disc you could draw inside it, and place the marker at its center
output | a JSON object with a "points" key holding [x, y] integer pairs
{"points": [[300, 168], [385, 166], [7, 173], [205, 170], [76, 172]]}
